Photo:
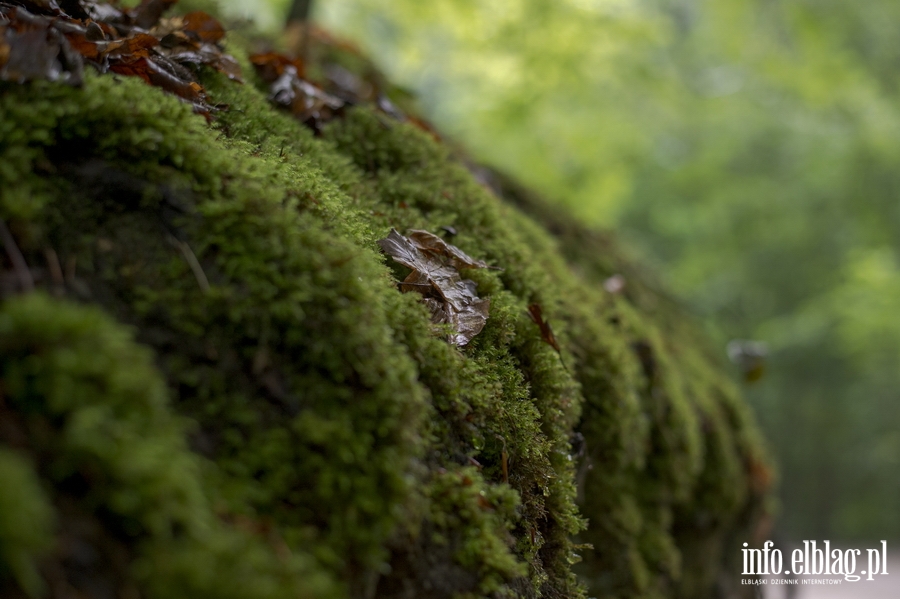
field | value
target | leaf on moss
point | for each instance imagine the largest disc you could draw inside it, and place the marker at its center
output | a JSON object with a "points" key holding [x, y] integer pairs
{"points": [[52, 40], [435, 247], [435, 275], [537, 315], [288, 89], [317, 102]]}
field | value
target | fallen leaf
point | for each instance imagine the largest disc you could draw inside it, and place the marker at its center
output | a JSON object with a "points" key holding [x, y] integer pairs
{"points": [[148, 12], [287, 88], [270, 65], [435, 267], [437, 248], [315, 103], [203, 26]]}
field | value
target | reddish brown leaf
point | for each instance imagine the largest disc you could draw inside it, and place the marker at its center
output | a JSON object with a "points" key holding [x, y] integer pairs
{"points": [[203, 26], [81, 44], [138, 44], [536, 314], [270, 65]]}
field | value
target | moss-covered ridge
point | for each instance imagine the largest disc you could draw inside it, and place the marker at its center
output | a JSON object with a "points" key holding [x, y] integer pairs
{"points": [[219, 391]]}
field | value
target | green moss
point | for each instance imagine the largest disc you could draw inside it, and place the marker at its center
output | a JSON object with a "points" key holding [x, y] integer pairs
{"points": [[284, 422], [91, 409], [26, 521]]}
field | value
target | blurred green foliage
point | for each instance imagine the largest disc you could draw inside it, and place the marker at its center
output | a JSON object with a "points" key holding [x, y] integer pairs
{"points": [[749, 149]]}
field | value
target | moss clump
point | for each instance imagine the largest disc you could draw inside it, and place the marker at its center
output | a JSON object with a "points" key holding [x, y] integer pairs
{"points": [[101, 458], [222, 385]]}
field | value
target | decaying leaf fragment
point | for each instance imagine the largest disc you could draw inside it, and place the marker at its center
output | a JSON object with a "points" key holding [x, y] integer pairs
{"points": [[537, 315], [436, 267]]}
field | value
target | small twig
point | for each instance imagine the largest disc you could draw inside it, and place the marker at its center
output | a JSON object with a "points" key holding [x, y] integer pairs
{"points": [[16, 257], [192, 262]]}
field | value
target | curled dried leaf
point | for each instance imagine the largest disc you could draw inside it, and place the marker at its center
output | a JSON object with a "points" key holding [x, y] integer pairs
{"points": [[435, 267], [437, 248]]}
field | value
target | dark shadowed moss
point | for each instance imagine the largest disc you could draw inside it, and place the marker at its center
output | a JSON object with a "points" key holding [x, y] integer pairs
{"points": [[221, 384]]}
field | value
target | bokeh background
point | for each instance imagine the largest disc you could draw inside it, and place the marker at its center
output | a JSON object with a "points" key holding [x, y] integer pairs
{"points": [[748, 150]]}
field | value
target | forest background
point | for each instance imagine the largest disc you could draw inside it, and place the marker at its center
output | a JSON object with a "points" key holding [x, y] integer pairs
{"points": [[748, 150]]}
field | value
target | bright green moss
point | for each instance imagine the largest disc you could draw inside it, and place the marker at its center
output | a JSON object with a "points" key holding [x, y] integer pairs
{"points": [[305, 431]]}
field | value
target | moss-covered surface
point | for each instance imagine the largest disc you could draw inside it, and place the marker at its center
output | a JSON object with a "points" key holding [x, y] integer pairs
{"points": [[218, 389]]}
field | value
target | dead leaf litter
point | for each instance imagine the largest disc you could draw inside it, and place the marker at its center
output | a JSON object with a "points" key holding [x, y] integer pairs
{"points": [[436, 266], [46, 39]]}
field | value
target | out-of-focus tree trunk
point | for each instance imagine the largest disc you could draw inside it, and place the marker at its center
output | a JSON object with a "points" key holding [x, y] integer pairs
{"points": [[297, 26]]}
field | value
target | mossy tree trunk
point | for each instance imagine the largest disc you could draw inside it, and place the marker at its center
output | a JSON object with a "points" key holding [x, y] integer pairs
{"points": [[219, 390]]}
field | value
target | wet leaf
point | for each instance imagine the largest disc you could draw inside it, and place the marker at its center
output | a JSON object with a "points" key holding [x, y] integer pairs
{"points": [[139, 44], [536, 314], [270, 65], [435, 267], [156, 73], [437, 248]]}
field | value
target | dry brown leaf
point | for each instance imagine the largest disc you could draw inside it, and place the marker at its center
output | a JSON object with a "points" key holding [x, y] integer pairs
{"points": [[435, 267], [437, 248], [203, 26], [288, 89]]}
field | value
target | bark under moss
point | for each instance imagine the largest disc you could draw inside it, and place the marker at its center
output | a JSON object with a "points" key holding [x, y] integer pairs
{"points": [[219, 390]]}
